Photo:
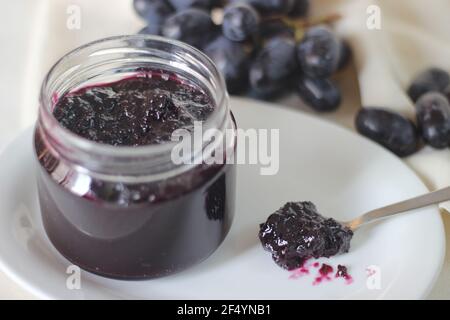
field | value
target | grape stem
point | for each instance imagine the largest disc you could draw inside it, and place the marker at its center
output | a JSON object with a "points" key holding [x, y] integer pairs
{"points": [[307, 23], [301, 24]]}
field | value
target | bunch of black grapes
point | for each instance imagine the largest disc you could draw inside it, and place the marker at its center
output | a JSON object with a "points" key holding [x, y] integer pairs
{"points": [[430, 91], [263, 48]]}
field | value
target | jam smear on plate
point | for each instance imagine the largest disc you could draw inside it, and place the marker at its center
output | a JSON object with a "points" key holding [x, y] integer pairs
{"points": [[342, 272]]}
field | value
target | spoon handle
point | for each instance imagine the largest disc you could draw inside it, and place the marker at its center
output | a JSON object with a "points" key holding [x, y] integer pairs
{"points": [[424, 200]]}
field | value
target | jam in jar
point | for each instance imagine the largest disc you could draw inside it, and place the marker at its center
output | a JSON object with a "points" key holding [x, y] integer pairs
{"points": [[113, 200]]}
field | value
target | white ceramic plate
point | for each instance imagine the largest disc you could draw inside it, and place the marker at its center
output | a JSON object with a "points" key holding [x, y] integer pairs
{"points": [[344, 174]]}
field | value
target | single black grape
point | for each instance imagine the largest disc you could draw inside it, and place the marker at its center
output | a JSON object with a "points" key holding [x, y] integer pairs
{"points": [[153, 11], [447, 93], [389, 129], [180, 5], [319, 52], [300, 8], [232, 60], [344, 55], [240, 21], [151, 30], [273, 7], [433, 117], [273, 65], [271, 93], [193, 26], [218, 3], [433, 79], [320, 94]]}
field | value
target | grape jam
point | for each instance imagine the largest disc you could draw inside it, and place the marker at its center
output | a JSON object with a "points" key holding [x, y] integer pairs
{"points": [[297, 232], [128, 230], [135, 111]]}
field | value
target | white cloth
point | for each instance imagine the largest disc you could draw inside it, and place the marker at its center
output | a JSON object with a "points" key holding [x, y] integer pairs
{"points": [[413, 35]]}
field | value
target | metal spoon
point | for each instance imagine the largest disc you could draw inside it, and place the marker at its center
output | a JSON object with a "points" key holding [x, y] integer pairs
{"points": [[427, 199]]}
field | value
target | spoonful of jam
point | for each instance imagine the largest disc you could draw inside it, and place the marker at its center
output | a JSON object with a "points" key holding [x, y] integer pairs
{"points": [[297, 232]]}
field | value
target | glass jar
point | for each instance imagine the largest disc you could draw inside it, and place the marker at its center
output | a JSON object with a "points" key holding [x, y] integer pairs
{"points": [[131, 212]]}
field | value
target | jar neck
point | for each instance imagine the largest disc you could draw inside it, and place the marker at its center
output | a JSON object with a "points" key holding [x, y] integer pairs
{"points": [[109, 60]]}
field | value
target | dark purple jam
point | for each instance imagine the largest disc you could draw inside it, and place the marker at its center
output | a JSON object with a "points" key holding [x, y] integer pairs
{"points": [[325, 270], [135, 111], [297, 232], [141, 230], [341, 272]]}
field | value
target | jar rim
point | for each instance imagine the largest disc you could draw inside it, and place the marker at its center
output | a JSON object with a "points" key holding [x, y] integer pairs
{"points": [[87, 145]]}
